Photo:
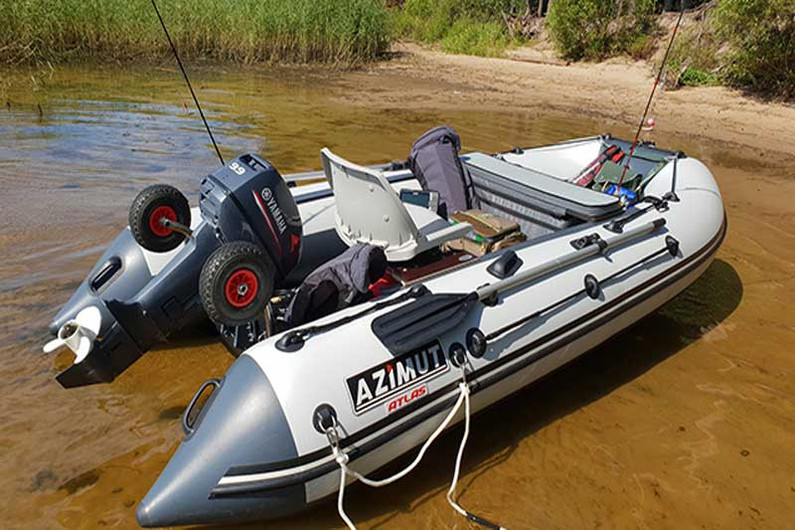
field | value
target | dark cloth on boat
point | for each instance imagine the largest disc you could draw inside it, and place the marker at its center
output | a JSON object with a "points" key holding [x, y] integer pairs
{"points": [[338, 283]]}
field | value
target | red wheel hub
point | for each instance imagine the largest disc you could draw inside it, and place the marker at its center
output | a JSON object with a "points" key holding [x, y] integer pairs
{"points": [[154, 220], [241, 287]]}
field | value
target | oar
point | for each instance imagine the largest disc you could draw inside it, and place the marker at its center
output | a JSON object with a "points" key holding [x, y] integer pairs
{"points": [[427, 317]]}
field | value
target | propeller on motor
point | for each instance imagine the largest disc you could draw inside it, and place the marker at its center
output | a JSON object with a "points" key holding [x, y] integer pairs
{"points": [[78, 334]]}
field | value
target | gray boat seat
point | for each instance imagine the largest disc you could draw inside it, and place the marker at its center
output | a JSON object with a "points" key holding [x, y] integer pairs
{"points": [[540, 203], [370, 211]]}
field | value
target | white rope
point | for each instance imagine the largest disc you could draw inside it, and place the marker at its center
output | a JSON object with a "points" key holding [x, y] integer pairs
{"points": [[459, 457], [341, 495], [464, 389], [342, 459], [457, 470]]}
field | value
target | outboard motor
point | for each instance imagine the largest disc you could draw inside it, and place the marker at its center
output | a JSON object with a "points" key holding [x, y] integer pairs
{"points": [[165, 272]]}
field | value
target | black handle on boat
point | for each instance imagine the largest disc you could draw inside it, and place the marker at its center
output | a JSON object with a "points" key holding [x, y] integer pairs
{"points": [[188, 427]]}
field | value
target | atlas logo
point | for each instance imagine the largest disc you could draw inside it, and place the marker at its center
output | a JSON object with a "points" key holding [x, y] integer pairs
{"points": [[384, 382], [406, 398]]}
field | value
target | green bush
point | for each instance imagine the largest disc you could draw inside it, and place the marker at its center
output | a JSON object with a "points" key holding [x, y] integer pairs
{"points": [[238, 30], [595, 29], [762, 38], [473, 27], [424, 20], [695, 46], [467, 36]]}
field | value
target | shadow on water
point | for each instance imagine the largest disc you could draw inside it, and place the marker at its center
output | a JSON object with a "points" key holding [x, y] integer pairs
{"points": [[500, 429]]}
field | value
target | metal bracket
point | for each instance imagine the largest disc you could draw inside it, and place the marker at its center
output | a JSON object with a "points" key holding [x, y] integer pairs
{"points": [[590, 239], [176, 227]]}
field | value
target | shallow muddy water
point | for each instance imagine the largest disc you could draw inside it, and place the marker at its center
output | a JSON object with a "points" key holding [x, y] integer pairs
{"points": [[685, 420]]}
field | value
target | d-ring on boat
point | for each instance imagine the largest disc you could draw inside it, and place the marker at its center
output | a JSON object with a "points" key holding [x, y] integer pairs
{"points": [[343, 395]]}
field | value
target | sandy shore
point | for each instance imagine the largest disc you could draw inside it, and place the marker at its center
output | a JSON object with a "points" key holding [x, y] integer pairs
{"points": [[419, 78]]}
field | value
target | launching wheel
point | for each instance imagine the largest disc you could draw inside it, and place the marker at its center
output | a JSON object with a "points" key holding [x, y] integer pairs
{"points": [[236, 283], [147, 212]]}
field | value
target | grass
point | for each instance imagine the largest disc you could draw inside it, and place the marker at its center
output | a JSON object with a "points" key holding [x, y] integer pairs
{"points": [[692, 76], [245, 31], [597, 29], [471, 27], [472, 37], [695, 55]]}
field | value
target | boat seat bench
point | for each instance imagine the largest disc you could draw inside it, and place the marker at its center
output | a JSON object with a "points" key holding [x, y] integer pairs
{"points": [[539, 203]]}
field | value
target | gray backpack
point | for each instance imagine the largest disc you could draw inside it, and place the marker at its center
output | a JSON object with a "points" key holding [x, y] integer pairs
{"points": [[435, 163]]}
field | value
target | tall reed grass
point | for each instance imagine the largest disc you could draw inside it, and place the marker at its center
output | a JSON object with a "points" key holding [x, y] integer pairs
{"points": [[246, 31]]}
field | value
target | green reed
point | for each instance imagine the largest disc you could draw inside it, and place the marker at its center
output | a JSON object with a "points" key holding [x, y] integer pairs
{"points": [[246, 31]]}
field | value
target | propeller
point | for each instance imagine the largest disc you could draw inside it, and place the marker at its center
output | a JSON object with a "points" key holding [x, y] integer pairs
{"points": [[78, 334]]}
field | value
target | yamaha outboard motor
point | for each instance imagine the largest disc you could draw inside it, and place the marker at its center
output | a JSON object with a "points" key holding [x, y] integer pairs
{"points": [[166, 272]]}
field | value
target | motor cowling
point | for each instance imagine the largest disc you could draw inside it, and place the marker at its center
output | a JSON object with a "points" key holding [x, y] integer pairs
{"points": [[247, 199]]}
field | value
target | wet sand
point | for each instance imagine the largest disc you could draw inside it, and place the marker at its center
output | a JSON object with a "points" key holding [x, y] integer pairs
{"points": [[685, 420]]}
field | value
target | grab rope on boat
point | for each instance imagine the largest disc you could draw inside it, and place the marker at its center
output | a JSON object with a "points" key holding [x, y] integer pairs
{"points": [[342, 459]]}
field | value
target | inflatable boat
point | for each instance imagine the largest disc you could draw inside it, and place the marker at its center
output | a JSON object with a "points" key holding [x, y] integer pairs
{"points": [[309, 409]]}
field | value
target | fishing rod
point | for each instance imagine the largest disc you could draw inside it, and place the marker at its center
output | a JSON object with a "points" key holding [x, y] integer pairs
{"points": [[190, 87], [651, 96]]}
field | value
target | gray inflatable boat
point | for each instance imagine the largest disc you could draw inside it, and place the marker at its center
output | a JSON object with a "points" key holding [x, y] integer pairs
{"points": [[305, 411]]}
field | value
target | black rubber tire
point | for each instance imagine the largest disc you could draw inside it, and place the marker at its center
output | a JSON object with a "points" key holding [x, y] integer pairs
{"points": [[145, 204], [228, 259]]}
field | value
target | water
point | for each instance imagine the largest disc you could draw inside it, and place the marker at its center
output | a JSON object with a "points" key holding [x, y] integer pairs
{"points": [[686, 419]]}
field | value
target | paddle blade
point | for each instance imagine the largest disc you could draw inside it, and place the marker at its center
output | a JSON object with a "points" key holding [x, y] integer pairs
{"points": [[422, 320]]}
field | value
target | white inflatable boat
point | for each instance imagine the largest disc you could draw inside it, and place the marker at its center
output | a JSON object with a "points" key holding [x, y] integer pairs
{"points": [[351, 392]]}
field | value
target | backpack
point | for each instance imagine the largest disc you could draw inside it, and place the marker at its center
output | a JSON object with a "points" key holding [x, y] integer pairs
{"points": [[434, 161]]}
